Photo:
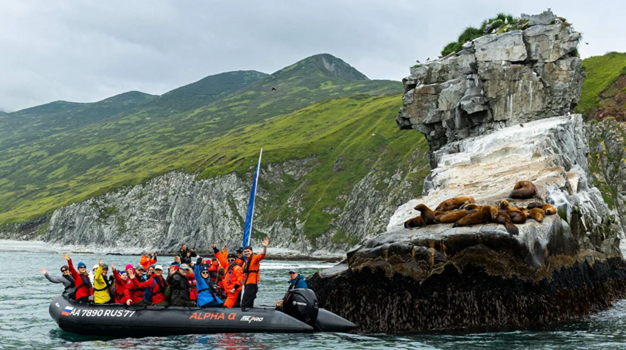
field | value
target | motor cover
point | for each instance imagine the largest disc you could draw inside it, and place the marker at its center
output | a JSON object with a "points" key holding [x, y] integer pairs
{"points": [[301, 304]]}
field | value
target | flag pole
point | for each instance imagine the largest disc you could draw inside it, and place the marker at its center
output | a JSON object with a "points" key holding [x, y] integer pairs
{"points": [[247, 228]]}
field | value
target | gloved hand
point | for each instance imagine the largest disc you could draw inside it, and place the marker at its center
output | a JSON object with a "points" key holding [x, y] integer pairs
{"points": [[199, 261]]}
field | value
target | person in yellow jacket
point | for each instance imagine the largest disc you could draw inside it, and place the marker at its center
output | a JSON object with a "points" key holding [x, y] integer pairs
{"points": [[101, 288]]}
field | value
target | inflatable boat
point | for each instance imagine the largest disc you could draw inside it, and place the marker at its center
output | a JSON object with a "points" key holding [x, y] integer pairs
{"points": [[300, 315]]}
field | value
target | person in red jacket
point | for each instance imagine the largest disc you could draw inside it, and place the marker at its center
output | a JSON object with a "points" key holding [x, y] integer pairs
{"points": [[82, 284], [119, 290], [157, 285], [252, 275], [213, 269], [147, 259], [133, 295], [233, 278]]}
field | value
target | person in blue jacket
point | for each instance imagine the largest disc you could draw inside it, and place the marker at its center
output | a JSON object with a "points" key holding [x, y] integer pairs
{"points": [[297, 281], [207, 295]]}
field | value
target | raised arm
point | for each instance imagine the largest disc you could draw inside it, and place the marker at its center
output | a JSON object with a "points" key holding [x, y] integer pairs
{"points": [[265, 243], [54, 279], [73, 271], [220, 258]]}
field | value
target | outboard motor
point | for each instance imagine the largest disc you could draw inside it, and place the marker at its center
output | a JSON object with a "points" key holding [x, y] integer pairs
{"points": [[301, 304]]}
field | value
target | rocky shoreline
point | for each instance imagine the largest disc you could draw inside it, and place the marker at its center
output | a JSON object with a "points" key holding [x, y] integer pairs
{"points": [[467, 293]]}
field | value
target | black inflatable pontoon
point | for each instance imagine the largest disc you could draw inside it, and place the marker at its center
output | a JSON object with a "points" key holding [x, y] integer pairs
{"points": [[118, 320]]}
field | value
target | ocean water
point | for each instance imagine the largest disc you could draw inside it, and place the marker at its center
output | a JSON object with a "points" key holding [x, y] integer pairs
{"points": [[25, 323]]}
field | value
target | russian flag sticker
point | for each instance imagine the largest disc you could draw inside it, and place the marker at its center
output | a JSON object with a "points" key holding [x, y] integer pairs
{"points": [[67, 311]]}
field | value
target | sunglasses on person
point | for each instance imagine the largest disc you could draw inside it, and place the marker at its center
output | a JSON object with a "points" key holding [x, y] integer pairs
{"points": [[82, 267], [63, 270], [231, 260], [205, 272]]}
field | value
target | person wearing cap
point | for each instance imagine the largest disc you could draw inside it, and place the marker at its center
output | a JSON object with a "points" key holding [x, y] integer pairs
{"points": [[147, 259], [252, 275], [101, 288], [155, 286], [233, 277], [82, 284], [92, 274], [134, 294], [179, 287], [295, 281], [119, 290], [207, 294], [66, 279]]}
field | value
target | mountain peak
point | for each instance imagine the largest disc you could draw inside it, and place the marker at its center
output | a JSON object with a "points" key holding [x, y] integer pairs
{"points": [[330, 66]]}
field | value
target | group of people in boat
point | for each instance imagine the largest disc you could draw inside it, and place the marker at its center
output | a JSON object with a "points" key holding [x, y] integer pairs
{"points": [[227, 279]]}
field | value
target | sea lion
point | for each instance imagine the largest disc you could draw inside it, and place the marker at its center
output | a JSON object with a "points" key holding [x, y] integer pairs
{"points": [[493, 211], [524, 190], [537, 214], [549, 209], [482, 216], [414, 222], [534, 205], [427, 214], [471, 206], [451, 216], [454, 203], [518, 217], [504, 219]]}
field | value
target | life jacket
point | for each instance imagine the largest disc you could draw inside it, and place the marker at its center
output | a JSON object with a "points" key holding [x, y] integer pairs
{"points": [[251, 269], [193, 289], [83, 288], [70, 288]]}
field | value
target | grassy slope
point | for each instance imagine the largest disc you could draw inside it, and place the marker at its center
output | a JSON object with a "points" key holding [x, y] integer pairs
{"points": [[38, 177], [347, 136], [602, 72], [34, 123]]}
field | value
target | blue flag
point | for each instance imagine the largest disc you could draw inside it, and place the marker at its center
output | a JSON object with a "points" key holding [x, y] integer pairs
{"points": [[247, 228]]}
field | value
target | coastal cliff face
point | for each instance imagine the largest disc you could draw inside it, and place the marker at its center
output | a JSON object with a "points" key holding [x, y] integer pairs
{"points": [[607, 142], [168, 210], [496, 81], [514, 125]]}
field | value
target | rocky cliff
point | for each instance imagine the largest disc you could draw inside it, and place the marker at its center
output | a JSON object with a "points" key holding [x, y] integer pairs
{"points": [[607, 142], [175, 208], [496, 113], [496, 81]]}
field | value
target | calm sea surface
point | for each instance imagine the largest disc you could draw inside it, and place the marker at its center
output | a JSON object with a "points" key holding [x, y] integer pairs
{"points": [[25, 295]]}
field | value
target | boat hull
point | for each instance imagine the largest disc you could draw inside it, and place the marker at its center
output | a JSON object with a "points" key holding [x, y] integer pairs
{"points": [[126, 321]]}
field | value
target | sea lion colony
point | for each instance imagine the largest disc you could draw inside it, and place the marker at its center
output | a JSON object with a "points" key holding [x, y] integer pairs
{"points": [[463, 211]]}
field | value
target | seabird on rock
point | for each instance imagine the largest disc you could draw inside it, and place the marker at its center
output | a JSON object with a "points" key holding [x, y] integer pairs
{"points": [[418, 61], [522, 125], [428, 59]]}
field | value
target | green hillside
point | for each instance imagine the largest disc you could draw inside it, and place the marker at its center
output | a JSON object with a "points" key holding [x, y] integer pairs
{"points": [[303, 116], [601, 73], [37, 122]]}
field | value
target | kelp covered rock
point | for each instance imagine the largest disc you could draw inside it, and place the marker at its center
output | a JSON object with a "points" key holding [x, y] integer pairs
{"points": [[494, 114]]}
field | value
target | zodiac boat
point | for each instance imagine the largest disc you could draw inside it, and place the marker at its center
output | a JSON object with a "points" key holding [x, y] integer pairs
{"points": [[300, 315]]}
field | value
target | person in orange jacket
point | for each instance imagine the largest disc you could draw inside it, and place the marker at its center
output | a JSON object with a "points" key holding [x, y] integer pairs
{"points": [[147, 260], [252, 275], [233, 278]]}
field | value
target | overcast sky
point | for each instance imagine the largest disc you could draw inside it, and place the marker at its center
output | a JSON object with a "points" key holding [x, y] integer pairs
{"points": [[85, 51]]}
